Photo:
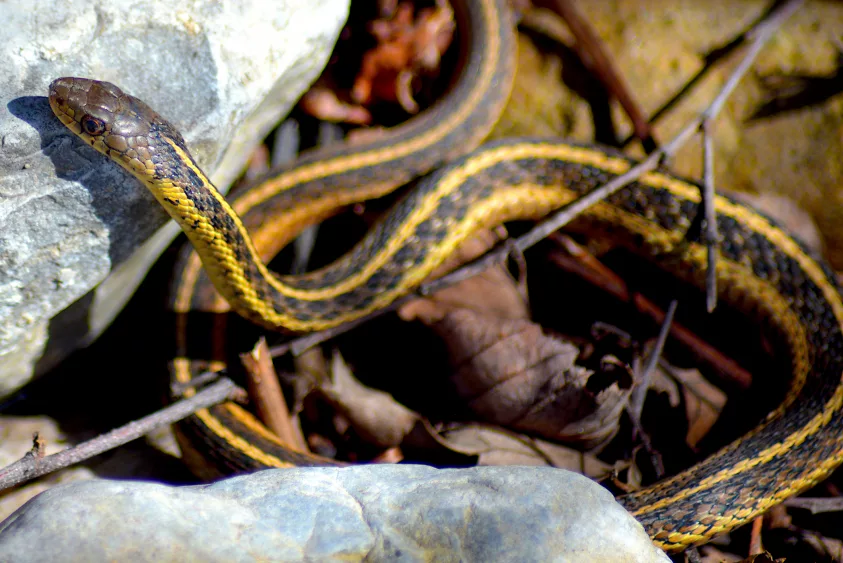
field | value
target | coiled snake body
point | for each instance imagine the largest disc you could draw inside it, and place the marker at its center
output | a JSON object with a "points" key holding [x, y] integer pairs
{"points": [[761, 270]]}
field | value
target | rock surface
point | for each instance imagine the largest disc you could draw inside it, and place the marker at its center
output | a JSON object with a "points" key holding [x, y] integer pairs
{"points": [[780, 133], [69, 216], [376, 513], [155, 457]]}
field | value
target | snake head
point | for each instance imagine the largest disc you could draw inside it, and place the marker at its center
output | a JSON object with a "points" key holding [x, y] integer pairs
{"points": [[113, 122]]}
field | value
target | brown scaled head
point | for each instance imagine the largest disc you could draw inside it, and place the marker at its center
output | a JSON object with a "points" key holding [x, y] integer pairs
{"points": [[111, 121]]}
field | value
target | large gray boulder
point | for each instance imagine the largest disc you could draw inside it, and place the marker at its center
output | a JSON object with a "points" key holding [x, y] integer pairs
{"points": [[363, 513], [71, 222]]}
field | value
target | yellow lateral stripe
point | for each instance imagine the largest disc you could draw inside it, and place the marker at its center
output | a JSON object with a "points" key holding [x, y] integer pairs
{"points": [[235, 441], [776, 450]]}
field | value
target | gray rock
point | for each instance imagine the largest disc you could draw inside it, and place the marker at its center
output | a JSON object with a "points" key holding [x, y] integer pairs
{"points": [[376, 513], [222, 72]]}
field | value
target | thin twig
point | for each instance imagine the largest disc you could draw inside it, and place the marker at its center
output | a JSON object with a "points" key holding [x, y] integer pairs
{"points": [[594, 57], [710, 236], [266, 395], [636, 400], [755, 545], [177, 388], [301, 344], [580, 263], [759, 37], [715, 55], [30, 466]]}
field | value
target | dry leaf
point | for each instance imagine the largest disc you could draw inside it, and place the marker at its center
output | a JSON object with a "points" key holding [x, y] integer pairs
{"points": [[406, 49], [493, 291], [514, 375], [323, 103], [427, 443], [311, 370], [375, 416], [508, 370], [661, 382], [494, 446], [825, 547], [703, 403]]}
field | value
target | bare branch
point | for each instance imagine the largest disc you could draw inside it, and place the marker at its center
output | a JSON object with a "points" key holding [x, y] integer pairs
{"points": [[636, 401], [594, 56], [710, 234], [267, 397], [32, 466]]}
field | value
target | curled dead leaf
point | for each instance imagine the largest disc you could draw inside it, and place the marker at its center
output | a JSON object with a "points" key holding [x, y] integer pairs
{"points": [[703, 401], [495, 446], [374, 415], [514, 375]]}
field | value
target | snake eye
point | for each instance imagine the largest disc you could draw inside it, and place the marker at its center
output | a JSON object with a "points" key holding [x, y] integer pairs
{"points": [[93, 126]]}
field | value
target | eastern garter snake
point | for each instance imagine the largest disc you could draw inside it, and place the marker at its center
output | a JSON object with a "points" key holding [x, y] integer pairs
{"points": [[762, 271]]}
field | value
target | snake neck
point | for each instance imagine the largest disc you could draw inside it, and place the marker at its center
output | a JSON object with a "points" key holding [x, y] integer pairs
{"points": [[324, 181]]}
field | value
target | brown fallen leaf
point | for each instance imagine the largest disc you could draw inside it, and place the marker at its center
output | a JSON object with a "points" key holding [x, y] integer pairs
{"points": [[830, 549], [323, 103], [512, 374], [703, 402], [493, 291], [407, 47], [311, 370], [374, 415], [505, 367], [661, 382], [495, 446]]}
